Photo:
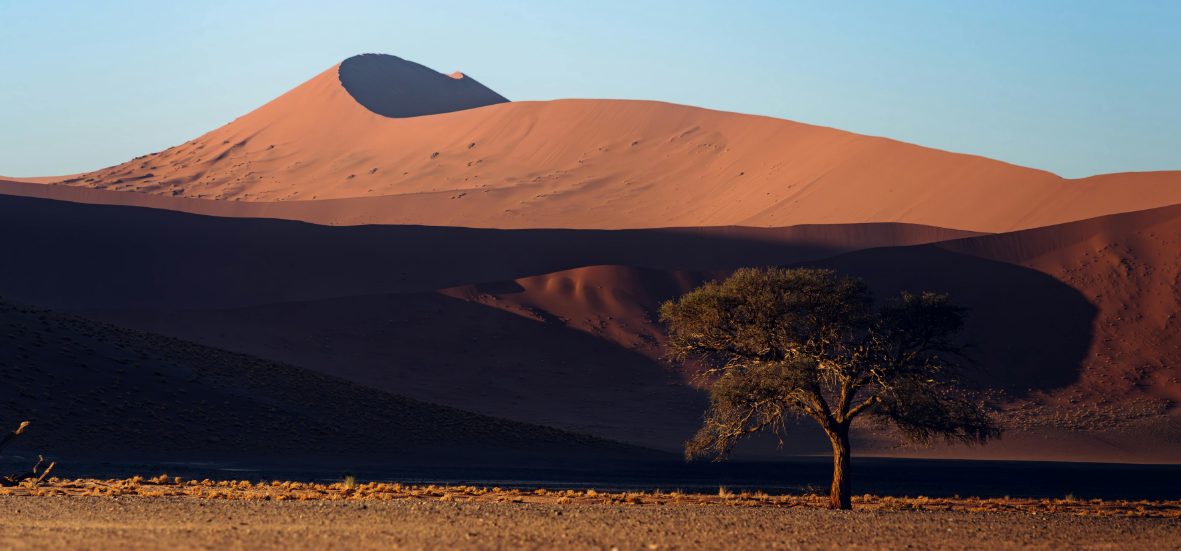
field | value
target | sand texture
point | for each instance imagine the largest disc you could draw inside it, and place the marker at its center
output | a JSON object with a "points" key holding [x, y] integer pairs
{"points": [[180, 523]]}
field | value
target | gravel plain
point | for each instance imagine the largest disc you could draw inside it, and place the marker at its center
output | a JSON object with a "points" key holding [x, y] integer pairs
{"points": [[134, 523]]}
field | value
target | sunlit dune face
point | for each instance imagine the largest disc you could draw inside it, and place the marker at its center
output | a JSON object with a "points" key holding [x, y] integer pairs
{"points": [[405, 144]]}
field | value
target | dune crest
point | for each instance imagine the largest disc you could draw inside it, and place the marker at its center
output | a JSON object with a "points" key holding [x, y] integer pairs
{"points": [[459, 158]]}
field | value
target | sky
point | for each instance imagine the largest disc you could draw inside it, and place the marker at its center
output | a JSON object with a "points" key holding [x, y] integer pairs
{"points": [[1073, 87]]}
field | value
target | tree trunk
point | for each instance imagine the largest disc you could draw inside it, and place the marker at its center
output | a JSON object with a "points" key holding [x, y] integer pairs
{"points": [[840, 497]]}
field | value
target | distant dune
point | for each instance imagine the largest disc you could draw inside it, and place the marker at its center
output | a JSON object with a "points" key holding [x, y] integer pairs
{"points": [[38, 179], [603, 164]]}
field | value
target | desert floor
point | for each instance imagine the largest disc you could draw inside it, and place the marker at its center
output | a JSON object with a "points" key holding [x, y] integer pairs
{"points": [[175, 523]]}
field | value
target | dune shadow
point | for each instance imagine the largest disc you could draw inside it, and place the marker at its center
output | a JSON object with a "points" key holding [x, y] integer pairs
{"points": [[1032, 330], [457, 353], [74, 255]]}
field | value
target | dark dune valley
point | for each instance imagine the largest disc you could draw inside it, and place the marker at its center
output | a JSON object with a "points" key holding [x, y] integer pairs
{"points": [[396, 267]]}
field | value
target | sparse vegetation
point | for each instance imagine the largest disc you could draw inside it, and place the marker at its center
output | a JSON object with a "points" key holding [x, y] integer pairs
{"points": [[781, 344], [171, 487]]}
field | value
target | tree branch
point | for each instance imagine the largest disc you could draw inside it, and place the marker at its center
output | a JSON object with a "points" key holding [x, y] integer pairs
{"points": [[862, 407]]}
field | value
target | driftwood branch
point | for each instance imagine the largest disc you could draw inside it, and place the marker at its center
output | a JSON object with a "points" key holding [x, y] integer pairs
{"points": [[13, 480], [8, 439], [44, 474]]}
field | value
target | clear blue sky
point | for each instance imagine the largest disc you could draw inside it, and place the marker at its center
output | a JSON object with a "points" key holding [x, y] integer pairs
{"points": [[1075, 87]]}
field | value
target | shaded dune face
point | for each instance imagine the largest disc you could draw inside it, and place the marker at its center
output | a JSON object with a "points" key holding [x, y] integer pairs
{"points": [[504, 360], [1127, 267], [393, 87], [151, 393], [97, 256], [1031, 330]]}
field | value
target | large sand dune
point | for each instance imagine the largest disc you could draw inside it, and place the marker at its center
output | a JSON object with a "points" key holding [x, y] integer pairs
{"points": [[603, 164]]}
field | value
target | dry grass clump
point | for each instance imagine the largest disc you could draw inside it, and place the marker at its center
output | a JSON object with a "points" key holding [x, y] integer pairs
{"points": [[165, 486]]}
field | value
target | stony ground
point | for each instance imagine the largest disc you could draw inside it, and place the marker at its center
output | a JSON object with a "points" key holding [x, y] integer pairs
{"points": [[29, 522]]}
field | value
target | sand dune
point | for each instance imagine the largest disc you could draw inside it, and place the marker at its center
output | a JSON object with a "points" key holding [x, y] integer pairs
{"points": [[39, 179], [94, 387], [507, 361], [1127, 266], [606, 164]]}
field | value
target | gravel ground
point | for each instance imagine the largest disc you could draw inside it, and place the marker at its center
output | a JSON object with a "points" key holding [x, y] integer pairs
{"points": [[177, 523]]}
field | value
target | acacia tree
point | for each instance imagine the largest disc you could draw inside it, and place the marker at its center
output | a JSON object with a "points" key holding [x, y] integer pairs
{"points": [[783, 344]]}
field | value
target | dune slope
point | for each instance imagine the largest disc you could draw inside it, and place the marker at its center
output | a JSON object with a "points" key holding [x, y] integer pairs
{"points": [[72, 255], [92, 386], [1128, 266]]}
